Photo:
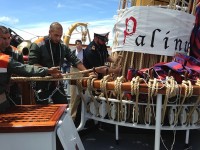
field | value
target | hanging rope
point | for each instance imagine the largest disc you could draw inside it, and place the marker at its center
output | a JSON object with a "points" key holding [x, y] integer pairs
{"points": [[188, 93], [189, 116], [152, 91], [198, 82], [80, 90], [135, 83], [119, 93], [171, 88], [91, 89], [103, 88]]}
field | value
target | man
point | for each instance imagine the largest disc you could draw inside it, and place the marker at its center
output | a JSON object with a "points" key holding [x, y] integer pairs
{"points": [[96, 54], [11, 50], [79, 50], [14, 91], [195, 35], [9, 66], [75, 97], [49, 51]]}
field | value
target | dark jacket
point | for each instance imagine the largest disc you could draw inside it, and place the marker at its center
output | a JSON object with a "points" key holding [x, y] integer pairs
{"points": [[14, 53], [95, 56], [9, 66], [41, 53]]}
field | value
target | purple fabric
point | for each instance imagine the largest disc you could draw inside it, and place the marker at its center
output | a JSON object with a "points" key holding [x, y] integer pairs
{"points": [[190, 63], [195, 35]]}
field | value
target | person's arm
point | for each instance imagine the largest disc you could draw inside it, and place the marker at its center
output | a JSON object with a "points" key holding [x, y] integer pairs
{"points": [[55, 72], [71, 57], [80, 66], [34, 55], [108, 70], [26, 70], [110, 59], [116, 70], [114, 59]]}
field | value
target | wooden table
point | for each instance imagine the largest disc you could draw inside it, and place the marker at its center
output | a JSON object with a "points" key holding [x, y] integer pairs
{"points": [[34, 127]]}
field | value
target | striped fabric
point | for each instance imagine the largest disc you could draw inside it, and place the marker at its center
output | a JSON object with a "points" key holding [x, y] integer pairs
{"points": [[182, 68], [195, 35], [189, 62]]}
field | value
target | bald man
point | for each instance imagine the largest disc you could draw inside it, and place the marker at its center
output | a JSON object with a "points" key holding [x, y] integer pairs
{"points": [[50, 51]]}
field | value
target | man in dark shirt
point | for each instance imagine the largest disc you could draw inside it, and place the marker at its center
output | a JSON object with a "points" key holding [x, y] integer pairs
{"points": [[50, 51], [14, 90], [96, 54], [9, 66]]}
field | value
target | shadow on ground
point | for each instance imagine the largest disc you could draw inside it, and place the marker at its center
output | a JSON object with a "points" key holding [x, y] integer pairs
{"points": [[102, 137]]}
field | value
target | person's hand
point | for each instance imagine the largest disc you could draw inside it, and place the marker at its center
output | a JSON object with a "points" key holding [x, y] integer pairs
{"points": [[55, 72], [117, 58], [93, 75], [118, 70]]}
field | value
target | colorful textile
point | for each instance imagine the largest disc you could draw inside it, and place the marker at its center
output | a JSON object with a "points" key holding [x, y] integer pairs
{"points": [[182, 68]]}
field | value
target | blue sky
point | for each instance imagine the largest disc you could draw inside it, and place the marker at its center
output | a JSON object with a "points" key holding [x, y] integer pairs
{"points": [[30, 18]]}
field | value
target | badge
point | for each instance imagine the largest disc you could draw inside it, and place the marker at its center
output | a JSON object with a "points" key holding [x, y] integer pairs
{"points": [[93, 48]]}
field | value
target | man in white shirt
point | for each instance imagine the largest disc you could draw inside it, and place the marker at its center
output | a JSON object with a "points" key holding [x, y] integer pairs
{"points": [[79, 50], [75, 97]]}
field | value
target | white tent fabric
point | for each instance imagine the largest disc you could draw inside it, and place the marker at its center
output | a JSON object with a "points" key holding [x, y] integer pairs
{"points": [[153, 30]]}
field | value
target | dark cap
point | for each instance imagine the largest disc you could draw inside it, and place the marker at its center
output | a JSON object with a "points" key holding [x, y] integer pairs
{"points": [[102, 36]]}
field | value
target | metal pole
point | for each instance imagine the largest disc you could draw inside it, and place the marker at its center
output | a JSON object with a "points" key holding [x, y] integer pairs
{"points": [[187, 137], [158, 122], [117, 132]]}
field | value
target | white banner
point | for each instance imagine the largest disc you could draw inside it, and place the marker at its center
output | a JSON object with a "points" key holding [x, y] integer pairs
{"points": [[153, 30]]}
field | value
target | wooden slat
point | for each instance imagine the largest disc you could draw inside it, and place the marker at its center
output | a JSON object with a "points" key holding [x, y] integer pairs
{"points": [[31, 118]]}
